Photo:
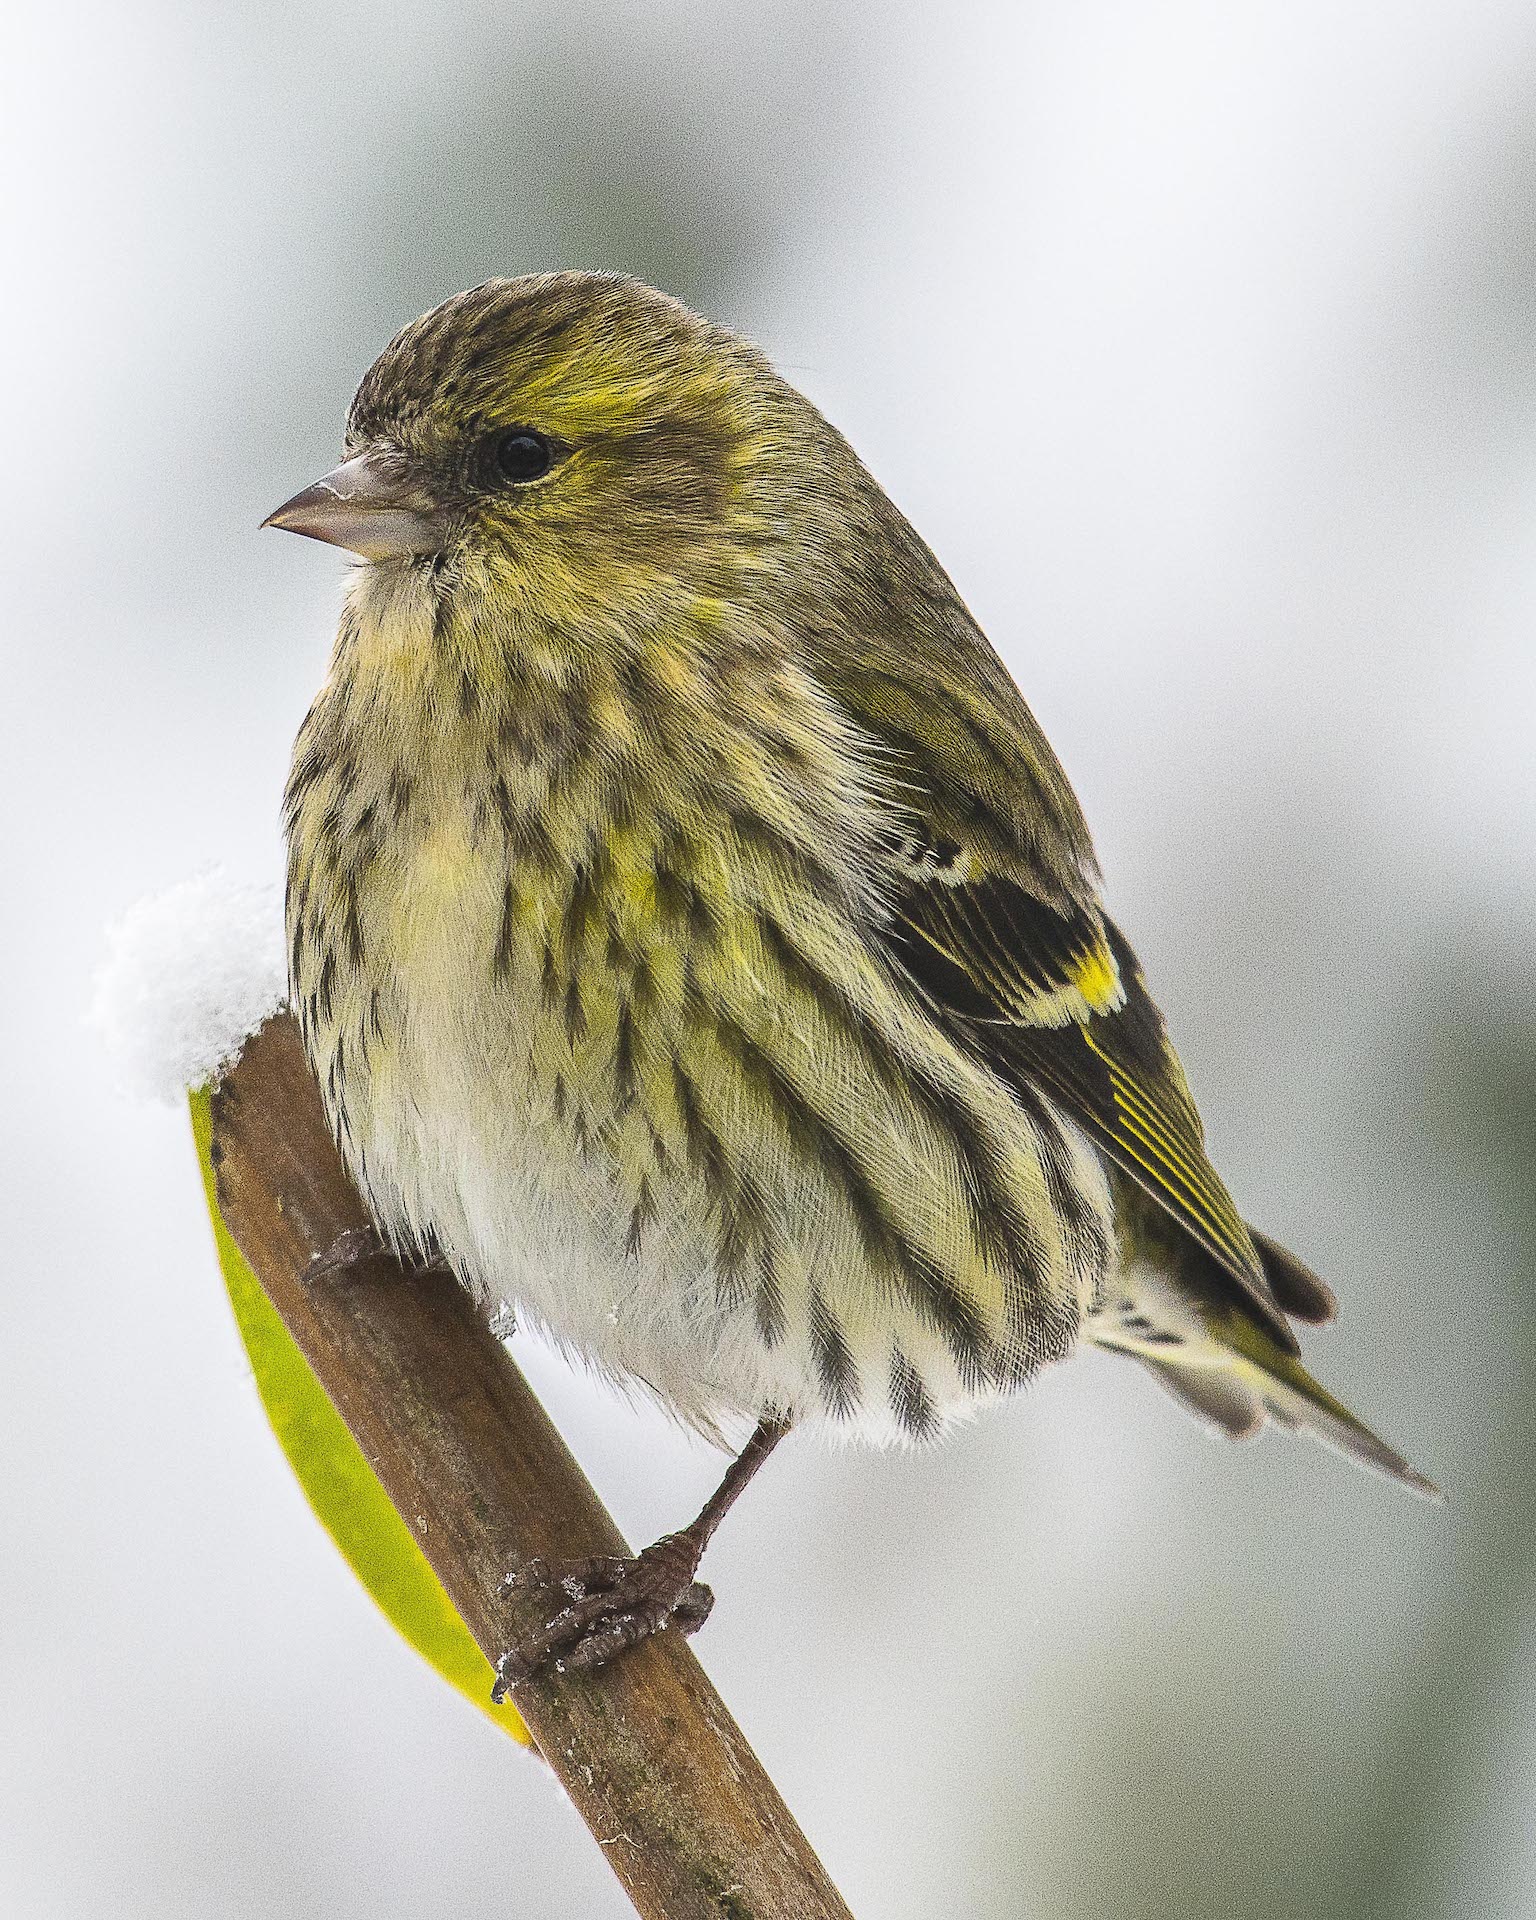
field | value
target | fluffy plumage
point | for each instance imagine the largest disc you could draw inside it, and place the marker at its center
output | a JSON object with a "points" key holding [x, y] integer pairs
{"points": [[693, 933]]}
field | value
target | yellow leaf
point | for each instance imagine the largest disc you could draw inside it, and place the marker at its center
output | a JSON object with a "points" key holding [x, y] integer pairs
{"points": [[338, 1482]]}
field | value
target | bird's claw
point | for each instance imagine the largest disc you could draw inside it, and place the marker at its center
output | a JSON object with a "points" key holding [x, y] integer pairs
{"points": [[346, 1251], [604, 1605], [360, 1244]]}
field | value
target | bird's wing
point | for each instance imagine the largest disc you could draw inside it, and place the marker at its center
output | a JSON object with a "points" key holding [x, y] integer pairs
{"points": [[1055, 996], [996, 922]]}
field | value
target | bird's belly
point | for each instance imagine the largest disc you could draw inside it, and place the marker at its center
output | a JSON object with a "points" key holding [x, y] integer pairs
{"points": [[692, 1167], [478, 1165], [483, 1116]]}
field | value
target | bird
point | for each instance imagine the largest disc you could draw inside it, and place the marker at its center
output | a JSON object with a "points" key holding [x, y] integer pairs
{"points": [[699, 946]]}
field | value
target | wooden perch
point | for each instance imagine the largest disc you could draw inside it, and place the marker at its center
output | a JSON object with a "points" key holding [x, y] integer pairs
{"points": [[655, 1765]]}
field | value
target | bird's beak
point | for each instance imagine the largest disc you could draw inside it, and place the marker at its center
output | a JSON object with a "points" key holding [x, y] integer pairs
{"points": [[369, 504]]}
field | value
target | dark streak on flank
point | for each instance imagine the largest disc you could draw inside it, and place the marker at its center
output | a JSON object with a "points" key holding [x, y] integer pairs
{"points": [[768, 1303], [587, 887], [678, 895], [951, 1313], [625, 1043], [910, 1400], [642, 985], [641, 1216], [325, 986], [834, 1363], [745, 1234], [501, 959], [1089, 1237], [575, 1013], [1002, 1230]]}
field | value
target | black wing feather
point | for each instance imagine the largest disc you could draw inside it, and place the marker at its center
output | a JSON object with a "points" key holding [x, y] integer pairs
{"points": [[1113, 1070]]}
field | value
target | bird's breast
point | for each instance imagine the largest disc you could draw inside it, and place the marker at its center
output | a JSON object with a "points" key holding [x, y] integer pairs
{"points": [[595, 1008]]}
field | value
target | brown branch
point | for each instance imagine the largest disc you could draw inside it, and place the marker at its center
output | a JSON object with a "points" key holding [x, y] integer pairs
{"points": [[655, 1765]]}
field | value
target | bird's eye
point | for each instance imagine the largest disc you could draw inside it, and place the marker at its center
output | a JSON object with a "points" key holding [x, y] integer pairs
{"points": [[520, 455]]}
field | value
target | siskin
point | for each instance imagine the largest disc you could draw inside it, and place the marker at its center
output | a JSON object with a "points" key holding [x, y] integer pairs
{"points": [[697, 942]]}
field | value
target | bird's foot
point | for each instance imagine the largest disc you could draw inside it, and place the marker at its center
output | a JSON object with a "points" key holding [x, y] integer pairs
{"points": [[603, 1606], [348, 1250], [357, 1246]]}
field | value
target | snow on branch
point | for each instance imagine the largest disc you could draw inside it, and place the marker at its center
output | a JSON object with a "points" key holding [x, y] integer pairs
{"points": [[189, 976]]}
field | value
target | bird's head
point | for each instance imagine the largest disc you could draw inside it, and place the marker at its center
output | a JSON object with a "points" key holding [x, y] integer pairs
{"points": [[573, 441]]}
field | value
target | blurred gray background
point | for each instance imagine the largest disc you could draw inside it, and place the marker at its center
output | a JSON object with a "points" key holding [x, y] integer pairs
{"points": [[1199, 337]]}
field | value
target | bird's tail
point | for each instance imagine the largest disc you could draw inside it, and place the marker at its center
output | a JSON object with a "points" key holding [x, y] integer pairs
{"points": [[1232, 1373]]}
